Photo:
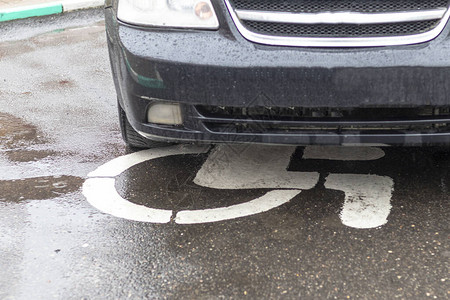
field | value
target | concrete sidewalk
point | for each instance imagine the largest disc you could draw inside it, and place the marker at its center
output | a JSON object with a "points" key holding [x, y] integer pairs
{"points": [[20, 9]]}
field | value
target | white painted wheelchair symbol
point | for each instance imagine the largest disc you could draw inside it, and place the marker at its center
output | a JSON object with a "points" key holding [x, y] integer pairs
{"points": [[367, 197]]}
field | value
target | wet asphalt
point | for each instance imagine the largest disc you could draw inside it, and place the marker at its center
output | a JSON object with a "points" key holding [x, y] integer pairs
{"points": [[58, 122]]}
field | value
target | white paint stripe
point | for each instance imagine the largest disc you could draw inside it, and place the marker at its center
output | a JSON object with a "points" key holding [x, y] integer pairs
{"points": [[102, 194], [118, 165], [252, 167], [343, 153], [367, 198], [70, 5], [267, 202]]}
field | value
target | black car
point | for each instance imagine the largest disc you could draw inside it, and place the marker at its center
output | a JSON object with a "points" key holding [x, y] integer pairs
{"points": [[295, 72]]}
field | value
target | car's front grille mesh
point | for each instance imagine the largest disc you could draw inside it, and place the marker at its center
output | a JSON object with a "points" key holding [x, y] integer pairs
{"points": [[340, 30], [318, 22], [314, 6], [324, 113], [300, 119]]}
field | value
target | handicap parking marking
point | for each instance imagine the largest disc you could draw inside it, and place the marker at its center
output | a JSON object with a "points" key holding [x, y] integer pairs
{"points": [[253, 167], [262, 204], [120, 164], [367, 197], [367, 201], [353, 153], [102, 194], [100, 191], [248, 167]]}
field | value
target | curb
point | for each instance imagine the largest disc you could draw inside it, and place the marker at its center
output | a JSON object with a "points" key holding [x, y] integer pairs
{"points": [[47, 9]]}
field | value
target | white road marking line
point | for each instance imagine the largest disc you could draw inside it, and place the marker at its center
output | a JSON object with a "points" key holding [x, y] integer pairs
{"points": [[120, 164], [267, 202], [367, 198], [343, 153], [102, 194], [252, 167]]}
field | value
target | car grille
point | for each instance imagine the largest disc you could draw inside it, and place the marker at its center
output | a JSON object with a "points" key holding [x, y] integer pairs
{"points": [[340, 30], [294, 120], [314, 6], [339, 23]]}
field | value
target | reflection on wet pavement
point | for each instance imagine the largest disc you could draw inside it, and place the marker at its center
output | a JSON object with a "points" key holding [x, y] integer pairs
{"points": [[27, 155], [17, 137], [14, 132], [38, 188]]}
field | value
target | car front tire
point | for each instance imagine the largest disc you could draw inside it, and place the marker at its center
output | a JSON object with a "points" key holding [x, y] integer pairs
{"points": [[132, 138]]}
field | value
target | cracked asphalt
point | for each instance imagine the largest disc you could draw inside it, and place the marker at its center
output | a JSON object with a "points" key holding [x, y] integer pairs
{"points": [[58, 123]]}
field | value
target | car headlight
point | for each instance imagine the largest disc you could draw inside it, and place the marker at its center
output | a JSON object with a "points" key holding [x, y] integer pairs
{"points": [[168, 13]]}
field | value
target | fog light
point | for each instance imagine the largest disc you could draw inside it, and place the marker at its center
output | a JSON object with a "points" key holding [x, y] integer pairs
{"points": [[165, 113], [203, 10]]}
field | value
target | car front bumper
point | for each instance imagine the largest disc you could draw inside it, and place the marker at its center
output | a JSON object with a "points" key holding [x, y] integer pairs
{"points": [[221, 68]]}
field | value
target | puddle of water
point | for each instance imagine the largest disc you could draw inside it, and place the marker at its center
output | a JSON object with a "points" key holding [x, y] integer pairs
{"points": [[16, 136], [38, 188], [28, 155], [14, 132]]}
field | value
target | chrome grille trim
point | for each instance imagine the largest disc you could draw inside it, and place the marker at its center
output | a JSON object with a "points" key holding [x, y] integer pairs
{"points": [[314, 6], [338, 18]]}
